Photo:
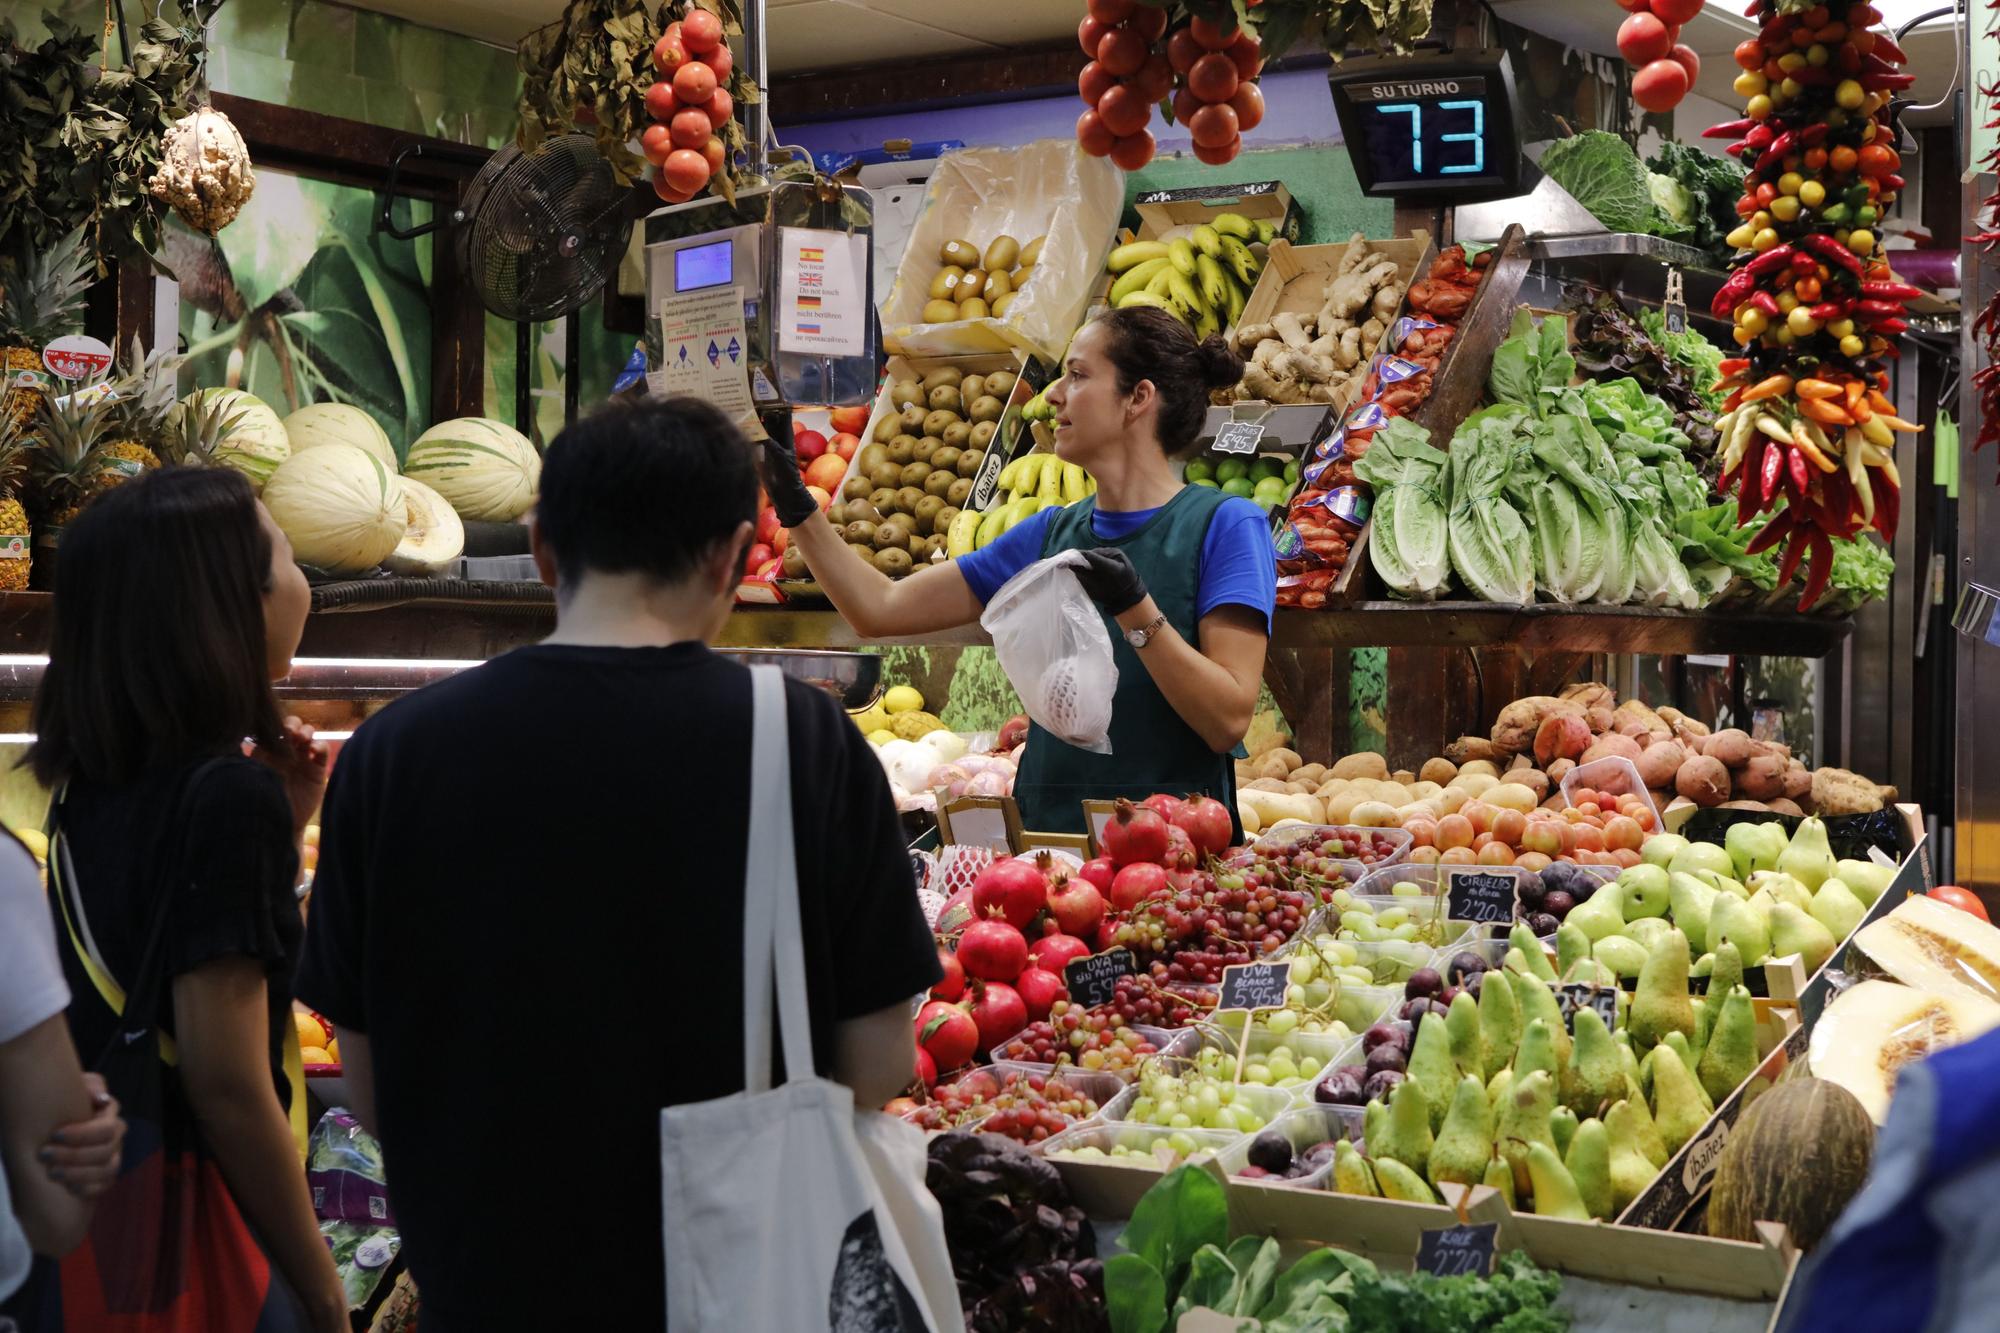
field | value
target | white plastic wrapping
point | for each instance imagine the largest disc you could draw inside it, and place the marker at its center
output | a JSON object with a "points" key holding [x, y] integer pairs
{"points": [[1050, 188], [1052, 644]]}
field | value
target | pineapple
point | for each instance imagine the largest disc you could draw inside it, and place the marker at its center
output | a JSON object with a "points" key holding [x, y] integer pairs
{"points": [[142, 402], [16, 545], [41, 297], [197, 429], [68, 455]]}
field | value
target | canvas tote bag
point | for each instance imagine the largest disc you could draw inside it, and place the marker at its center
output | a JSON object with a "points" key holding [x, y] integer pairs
{"points": [[785, 1208]]}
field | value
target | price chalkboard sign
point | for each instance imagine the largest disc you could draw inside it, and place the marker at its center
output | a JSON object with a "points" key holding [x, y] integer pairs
{"points": [[1251, 986], [1581, 995], [1463, 1251], [1094, 980], [1481, 895], [1238, 437]]}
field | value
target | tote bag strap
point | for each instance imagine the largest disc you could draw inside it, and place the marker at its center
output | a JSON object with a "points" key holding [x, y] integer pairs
{"points": [[773, 939]]}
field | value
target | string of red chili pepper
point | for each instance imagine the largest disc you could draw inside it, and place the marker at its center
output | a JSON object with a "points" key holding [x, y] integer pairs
{"points": [[1808, 428]]}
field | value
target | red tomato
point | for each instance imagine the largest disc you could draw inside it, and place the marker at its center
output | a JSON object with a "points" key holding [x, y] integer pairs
{"points": [[1675, 12], [721, 62], [694, 83], [1213, 126], [1094, 82], [1150, 21], [1156, 79], [657, 142], [1213, 78], [719, 108], [1124, 111], [1248, 53], [1182, 51], [670, 52], [1684, 56], [717, 155], [1750, 53], [1092, 136], [702, 31], [660, 103], [1643, 39], [1089, 34], [690, 127], [686, 170], [1133, 150], [1634, 6], [1660, 86], [1112, 11], [1964, 900], [667, 192], [1185, 105], [1211, 35], [1249, 106], [1122, 52]]}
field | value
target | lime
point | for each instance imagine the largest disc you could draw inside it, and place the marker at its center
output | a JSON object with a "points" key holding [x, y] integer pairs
{"points": [[1292, 472], [1239, 485], [1199, 470], [1266, 467], [1209, 482], [1230, 469], [1271, 490]]}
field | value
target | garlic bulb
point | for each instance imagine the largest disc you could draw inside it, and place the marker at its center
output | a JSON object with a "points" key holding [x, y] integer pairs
{"points": [[204, 173]]}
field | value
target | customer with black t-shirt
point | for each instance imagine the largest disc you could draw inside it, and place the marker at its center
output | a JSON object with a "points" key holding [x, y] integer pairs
{"points": [[527, 924]]}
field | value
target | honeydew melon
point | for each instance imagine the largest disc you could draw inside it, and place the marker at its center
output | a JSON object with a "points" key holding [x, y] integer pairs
{"points": [[339, 423], [342, 510], [486, 471], [258, 442], [433, 537]]}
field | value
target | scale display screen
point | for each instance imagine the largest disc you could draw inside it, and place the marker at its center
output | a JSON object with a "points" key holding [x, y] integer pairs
{"points": [[700, 266], [1439, 131]]}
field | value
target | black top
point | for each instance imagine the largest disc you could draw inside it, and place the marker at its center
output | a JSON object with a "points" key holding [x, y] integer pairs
{"points": [[237, 897], [530, 898]]}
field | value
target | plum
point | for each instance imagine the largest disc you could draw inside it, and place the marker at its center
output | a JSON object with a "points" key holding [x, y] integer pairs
{"points": [[1253, 1173], [1423, 982], [1413, 1011], [1342, 1087], [1380, 1084], [1313, 1158], [1543, 924], [1446, 996], [1271, 1151], [1465, 965], [1532, 890], [1389, 1057], [1557, 903], [1473, 982], [1382, 1034]]}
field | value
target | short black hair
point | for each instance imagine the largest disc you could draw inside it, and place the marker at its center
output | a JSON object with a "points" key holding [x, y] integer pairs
{"points": [[649, 486], [1148, 343], [157, 654]]}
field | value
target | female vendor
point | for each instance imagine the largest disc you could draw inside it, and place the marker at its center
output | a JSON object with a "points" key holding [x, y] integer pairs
{"points": [[1185, 575]]}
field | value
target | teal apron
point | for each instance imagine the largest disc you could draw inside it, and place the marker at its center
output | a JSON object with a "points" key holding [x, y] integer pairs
{"points": [[1152, 748]]}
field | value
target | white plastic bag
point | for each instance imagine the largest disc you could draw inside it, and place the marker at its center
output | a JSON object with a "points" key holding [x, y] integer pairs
{"points": [[1054, 648]]}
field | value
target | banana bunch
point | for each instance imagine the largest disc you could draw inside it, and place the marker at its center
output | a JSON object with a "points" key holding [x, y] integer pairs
{"points": [[1203, 278], [1028, 485]]}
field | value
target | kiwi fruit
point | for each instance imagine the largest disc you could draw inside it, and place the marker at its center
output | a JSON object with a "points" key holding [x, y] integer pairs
{"points": [[904, 392], [794, 564], [958, 434], [940, 312], [968, 462], [862, 511], [998, 284], [988, 408], [886, 428], [910, 419], [946, 282], [962, 253], [944, 458], [1000, 383], [1031, 253], [872, 456], [971, 285], [943, 377], [914, 474], [885, 476], [920, 548], [939, 482], [971, 387], [945, 398], [1004, 253], [934, 423], [959, 492], [902, 451], [856, 487], [867, 553], [942, 523], [894, 561], [926, 513], [894, 532], [858, 533], [836, 514], [926, 450], [907, 499], [974, 309], [1001, 303], [983, 433], [882, 499]]}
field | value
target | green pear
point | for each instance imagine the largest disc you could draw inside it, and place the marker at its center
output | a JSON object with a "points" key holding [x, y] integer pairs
{"points": [[1602, 914], [1660, 1003], [1723, 977], [1465, 1145], [1836, 908], [1497, 1087], [1678, 1045], [1628, 1059], [1597, 1070], [1739, 925], [1677, 1105], [1866, 879], [1499, 1022], [1432, 1068], [1631, 1169], [1783, 888], [1407, 1135], [1692, 902], [1562, 1128], [1536, 1000], [1728, 970], [1572, 945], [1701, 856], [1374, 1122], [1461, 1024], [1351, 1172], [1793, 931], [1809, 857], [1537, 1051], [1731, 1055], [1523, 1120], [1532, 954], [1399, 1182], [1722, 883], [1625, 957], [1635, 1121], [1588, 1160], [1754, 846], [1499, 1176], [1647, 930], [1660, 849], [1590, 972], [1555, 1190], [1702, 966], [1646, 1071], [1645, 889]]}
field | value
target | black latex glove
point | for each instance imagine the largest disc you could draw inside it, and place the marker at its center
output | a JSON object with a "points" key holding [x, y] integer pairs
{"points": [[778, 469], [1110, 580]]}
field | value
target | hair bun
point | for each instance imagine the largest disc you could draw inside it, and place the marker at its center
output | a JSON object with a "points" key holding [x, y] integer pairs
{"points": [[1220, 366]]}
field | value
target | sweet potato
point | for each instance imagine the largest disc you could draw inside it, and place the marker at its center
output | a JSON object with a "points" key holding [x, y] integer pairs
{"points": [[1520, 761], [1689, 731], [1669, 714], [1658, 762], [1731, 746], [1561, 736], [1703, 780], [1610, 745], [1778, 749], [1362, 766], [1744, 805], [1785, 806], [1440, 771], [1520, 721], [1589, 694], [1835, 791], [1468, 748], [1634, 719], [1533, 779], [1762, 779], [1798, 781], [1558, 770], [1599, 720]]}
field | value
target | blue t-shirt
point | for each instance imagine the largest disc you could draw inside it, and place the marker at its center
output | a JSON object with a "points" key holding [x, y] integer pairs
{"points": [[1238, 565]]}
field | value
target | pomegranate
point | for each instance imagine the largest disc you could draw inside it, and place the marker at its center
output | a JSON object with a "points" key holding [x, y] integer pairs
{"points": [[1052, 953], [900, 1106], [926, 1067], [1107, 935], [1014, 732], [1207, 823], [1038, 990], [1135, 883], [953, 985], [992, 951], [1134, 833], [1012, 890], [1181, 854], [1100, 873], [948, 1033], [1077, 907], [998, 1012], [1163, 805]]}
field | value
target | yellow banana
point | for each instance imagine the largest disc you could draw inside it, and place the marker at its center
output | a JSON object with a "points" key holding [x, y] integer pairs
{"points": [[1135, 278], [1158, 284], [1072, 483], [1208, 241], [1214, 282], [1241, 262], [1050, 491], [1027, 507], [1237, 299], [964, 530], [1147, 298], [1181, 253], [1234, 224], [991, 524], [1010, 475], [1135, 252], [1267, 230], [1183, 294], [1032, 476], [1206, 322]]}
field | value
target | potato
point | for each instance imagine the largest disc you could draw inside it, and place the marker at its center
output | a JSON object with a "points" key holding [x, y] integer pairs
{"points": [[1374, 814], [1403, 776], [1273, 765], [1430, 810], [1474, 784], [1533, 779], [1438, 771], [1703, 780], [1731, 746], [1340, 809], [1658, 762], [1291, 757], [1519, 761], [1484, 767], [1299, 788], [1274, 806], [1362, 766], [1248, 816], [1452, 799], [1512, 796], [1423, 791], [1313, 773], [1265, 784], [1611, 745]]}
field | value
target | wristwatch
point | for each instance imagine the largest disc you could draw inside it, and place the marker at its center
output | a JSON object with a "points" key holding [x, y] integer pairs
{"points": [[1142, 636]]}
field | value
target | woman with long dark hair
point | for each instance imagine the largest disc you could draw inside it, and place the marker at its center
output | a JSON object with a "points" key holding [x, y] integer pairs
{"points": [[1184, 576], [173, 873]]}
